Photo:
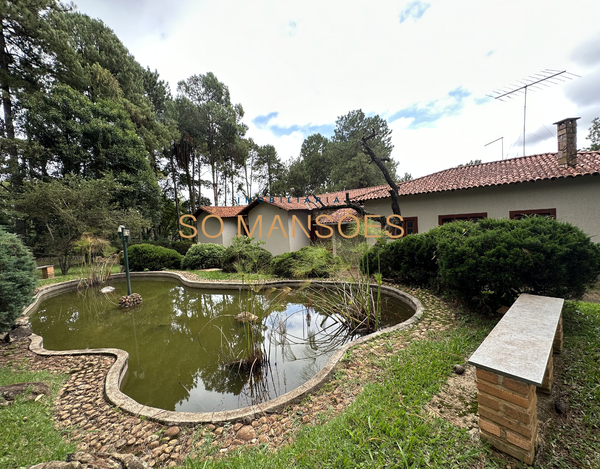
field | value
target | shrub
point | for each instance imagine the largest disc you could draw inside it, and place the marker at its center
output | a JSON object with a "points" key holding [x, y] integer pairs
{"points": [[246, 255], [148, 257], [535, 255], [17, 278], [308, 262], [180, 246], [490, 262], [203, 256]]}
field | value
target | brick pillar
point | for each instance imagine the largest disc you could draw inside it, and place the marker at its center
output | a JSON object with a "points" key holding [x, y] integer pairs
{"points": [[507, 414], [566, 134], [557, 345], [546, 386]]}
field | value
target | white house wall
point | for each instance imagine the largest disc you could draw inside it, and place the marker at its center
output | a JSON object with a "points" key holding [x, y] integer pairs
{"points": [[576, 200]]}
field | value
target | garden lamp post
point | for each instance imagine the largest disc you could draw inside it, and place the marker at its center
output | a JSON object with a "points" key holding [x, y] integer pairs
{"points": [[124, 235]]}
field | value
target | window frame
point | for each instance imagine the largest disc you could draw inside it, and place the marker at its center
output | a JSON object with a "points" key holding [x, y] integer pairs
{"points": [[415, 221], [541, 211], [468, 216]]}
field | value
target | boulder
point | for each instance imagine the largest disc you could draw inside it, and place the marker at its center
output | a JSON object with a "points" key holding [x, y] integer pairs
{"points": [[10, 391]]}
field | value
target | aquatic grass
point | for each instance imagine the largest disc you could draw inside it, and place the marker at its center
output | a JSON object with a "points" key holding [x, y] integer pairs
{"points": [[28, 435]]}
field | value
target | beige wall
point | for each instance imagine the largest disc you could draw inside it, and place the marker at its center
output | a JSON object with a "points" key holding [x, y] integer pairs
{"points": [[213, 226], [300, 240], [576, 201]]}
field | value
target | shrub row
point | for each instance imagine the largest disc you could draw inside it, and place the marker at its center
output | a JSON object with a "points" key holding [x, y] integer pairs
{"points": [[244, 255], [491, 262]]}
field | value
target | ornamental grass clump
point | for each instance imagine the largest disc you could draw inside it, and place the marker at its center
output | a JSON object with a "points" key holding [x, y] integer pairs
{"points": [[246, 256]]}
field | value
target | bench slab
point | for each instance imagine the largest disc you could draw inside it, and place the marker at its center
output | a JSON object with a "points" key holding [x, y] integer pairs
{"points": [[521, 343]]}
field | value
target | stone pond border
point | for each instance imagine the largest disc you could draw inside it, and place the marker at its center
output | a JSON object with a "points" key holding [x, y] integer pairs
{"points": [[117, 372]]}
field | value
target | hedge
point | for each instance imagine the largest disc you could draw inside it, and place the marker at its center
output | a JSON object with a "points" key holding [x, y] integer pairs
{"points": [[148, 257], [203, 256], [308, 262]]}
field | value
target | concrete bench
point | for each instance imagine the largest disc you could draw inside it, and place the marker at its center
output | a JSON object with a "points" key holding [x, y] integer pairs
{"points": [[47, 271], [512, 362]]}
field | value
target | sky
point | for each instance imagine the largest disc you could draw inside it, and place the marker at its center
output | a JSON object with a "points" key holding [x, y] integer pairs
{"points": [[427, 67]]}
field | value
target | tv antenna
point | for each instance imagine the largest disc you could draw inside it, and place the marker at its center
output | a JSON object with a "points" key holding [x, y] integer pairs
{"points": [[494, 141], [534, 82]]}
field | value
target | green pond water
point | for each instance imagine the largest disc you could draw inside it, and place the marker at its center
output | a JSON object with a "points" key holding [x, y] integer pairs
{"points": [[181, 341]]}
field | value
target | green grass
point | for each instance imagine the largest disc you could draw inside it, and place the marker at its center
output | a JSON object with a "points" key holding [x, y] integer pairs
{"points": [[27, 434], [385, 426], [574, 440], [75, 273]]}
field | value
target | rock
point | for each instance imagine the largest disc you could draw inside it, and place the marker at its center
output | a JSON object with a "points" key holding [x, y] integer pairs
{"points": [[246, 433], [4, 337], [80, 456], [458, 369], [237, 426], [129, 301], [172, 432], [263, 439], [130, 461], [246, 316], [120, 443], [10, 391], [107, 289], [561, 407], [19, 333]]}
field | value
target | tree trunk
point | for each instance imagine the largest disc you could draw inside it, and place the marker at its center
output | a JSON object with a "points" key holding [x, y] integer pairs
{"points": [[176, 192], [386, 174]]}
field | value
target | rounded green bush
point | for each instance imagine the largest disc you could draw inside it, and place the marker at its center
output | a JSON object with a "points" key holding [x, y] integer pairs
{"points": [[245, 256], [491, 262], [308, 262], [148, 257], [17, 278], [203, 256]]}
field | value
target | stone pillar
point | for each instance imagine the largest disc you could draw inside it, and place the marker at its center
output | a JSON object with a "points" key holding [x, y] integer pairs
{"points": [[507, 414], [546, 386], [566, 133], [557, 345]]}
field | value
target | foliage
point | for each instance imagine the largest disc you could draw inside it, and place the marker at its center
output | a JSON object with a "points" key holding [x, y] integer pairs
{"points": [[60, 211], [181, 247], [308, 262], [594, 135], [246, 256], [203, 256], [17, 278], [148, 257], [490, 262]]}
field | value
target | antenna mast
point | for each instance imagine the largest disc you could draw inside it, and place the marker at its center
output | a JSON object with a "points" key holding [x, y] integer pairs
{"points": [[533, 82]]}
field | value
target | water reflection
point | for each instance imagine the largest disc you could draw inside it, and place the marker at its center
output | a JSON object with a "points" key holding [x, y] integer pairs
{"points": [[182, 342]]}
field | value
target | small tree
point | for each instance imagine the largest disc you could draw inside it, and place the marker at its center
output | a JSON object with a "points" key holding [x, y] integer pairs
{"points": [[594, 135], [17, 278]]}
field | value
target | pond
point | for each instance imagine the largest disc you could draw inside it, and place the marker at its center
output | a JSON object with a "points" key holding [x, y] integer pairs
{"points": [[183, 342]]}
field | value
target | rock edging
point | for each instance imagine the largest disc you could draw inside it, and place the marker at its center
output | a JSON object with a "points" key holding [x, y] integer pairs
{"points": [[114, 378]]}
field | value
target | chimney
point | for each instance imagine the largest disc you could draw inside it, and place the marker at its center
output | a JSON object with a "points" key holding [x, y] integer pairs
{"points": [[566, 134]]}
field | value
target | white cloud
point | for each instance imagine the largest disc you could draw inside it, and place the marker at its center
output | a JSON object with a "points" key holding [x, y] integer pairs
{"points": [[313, 61]]}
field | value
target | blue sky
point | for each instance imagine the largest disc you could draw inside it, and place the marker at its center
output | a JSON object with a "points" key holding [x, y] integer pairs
{"points": [[425, 66]]}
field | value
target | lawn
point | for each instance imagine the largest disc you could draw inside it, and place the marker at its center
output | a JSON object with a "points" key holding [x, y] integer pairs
{"points": [[28, 436]]}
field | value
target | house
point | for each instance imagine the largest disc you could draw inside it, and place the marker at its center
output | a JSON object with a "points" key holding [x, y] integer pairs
{"points": [[564, 185], [209, 220]]}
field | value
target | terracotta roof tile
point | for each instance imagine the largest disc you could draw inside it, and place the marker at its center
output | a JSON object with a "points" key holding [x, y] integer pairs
{"points": [[341, 214], [223, 212], [513, 171]]}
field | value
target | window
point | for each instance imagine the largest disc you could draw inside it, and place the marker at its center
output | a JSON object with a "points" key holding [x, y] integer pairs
{"points": [[546, 212], [442, 219], [410, 225]]}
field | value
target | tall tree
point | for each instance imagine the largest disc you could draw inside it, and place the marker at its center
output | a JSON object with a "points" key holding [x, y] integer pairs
{"points": [[220, 121], [24, 61], [271, 172]]}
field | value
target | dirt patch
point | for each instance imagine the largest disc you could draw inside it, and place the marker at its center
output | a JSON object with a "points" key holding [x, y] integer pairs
{"points": [[457, 401]]}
